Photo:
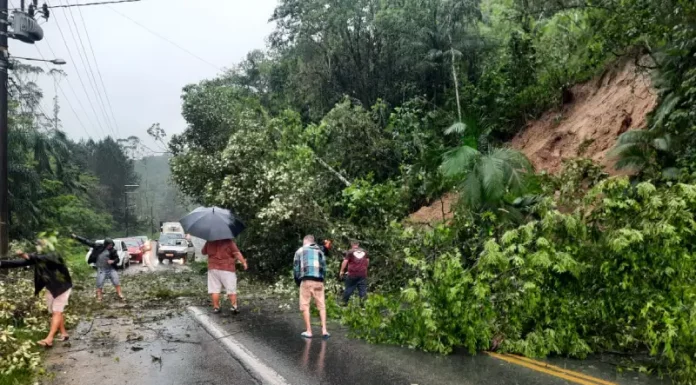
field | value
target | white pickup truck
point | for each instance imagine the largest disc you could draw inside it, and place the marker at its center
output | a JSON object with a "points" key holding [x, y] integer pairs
{"points": [[171, 228]]}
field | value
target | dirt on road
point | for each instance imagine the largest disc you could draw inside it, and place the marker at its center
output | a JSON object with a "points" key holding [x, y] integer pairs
{"points": [[148, 339]]}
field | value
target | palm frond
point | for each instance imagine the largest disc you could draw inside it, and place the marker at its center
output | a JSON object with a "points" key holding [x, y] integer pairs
{"points": [[668, 103], [664, 143], [491, 171], [459, 161], [513, 158], [471, 191], [634, 136], [456, 128], [631, 157]]}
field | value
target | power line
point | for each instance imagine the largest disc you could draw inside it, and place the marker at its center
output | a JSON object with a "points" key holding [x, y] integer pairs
{"points": [[165, 39], [95, 3], [101, 79], [65, 96], [79, 76], [93, 81]]}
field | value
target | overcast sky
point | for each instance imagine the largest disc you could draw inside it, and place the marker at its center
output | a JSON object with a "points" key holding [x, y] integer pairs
{"points": [[143, 74]]}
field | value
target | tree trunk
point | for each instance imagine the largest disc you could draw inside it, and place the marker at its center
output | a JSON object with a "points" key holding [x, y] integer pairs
{"points": [[456, 81]]}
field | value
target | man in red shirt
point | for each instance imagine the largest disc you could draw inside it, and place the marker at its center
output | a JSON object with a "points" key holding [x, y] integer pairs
{"points": [[222, 259], [355, 264]]}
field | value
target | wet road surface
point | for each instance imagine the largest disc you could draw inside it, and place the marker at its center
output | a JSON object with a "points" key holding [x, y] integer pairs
{"points": [[273, 336], [158, 350], [164, 346]]}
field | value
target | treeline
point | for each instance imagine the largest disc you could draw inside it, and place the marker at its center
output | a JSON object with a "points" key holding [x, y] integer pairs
{"points": [[359, 112], [55, 183], [158, 198]]}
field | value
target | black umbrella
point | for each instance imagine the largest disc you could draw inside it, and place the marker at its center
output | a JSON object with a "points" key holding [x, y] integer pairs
{"points": [[212, 224]]}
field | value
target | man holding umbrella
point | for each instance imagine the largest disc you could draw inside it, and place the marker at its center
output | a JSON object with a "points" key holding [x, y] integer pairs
{"points": [[222, 260], [218, 227]]}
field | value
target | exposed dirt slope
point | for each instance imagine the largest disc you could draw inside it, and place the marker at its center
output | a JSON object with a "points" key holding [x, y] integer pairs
{"points": [[438, 211], [588, 126]]}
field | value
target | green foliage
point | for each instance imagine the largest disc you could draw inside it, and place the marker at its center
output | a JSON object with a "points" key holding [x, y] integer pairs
{"points": [[614, 275], [366, 204], [288, 141], [19, 316], [54, 182], [486, 179]]}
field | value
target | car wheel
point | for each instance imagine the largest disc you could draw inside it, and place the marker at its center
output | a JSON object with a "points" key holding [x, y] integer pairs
{"points": [[161, 260]]}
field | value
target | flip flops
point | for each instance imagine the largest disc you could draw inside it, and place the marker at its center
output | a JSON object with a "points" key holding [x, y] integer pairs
{"points": [[44, 344], [64, 338], [307, 335]]}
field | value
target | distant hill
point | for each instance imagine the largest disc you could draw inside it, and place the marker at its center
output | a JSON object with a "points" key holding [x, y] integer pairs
{"points": [[158, 198]]}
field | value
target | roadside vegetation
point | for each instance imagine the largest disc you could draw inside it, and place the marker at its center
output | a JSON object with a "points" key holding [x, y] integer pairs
{"points": [[359, 113]]}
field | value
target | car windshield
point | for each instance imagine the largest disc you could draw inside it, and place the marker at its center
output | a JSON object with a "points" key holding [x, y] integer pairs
{"points": [[132, 243], [172, 240]]}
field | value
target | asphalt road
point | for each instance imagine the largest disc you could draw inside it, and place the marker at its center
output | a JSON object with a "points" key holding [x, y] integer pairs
{"points": [[171, 345], [272, 335], [118, 351]]}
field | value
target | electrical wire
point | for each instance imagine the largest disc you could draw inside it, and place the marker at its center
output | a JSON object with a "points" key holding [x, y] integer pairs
{"points": [[79, 76], [165, 39], [94, 3], [96, 64], [84, 128], [92, 78]]}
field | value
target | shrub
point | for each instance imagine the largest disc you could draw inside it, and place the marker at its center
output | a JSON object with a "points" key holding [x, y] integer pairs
{"points": [[615, 274], [22, 316]]}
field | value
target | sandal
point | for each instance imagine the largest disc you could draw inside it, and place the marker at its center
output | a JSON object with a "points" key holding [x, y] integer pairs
{"points": [[326, 336], [44, 344], [63, 338], [306, 335]]}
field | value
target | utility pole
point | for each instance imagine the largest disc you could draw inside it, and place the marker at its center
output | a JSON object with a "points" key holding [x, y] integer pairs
{"points": [[26, 30], [4, 186], [126, 214], [126, 195]]}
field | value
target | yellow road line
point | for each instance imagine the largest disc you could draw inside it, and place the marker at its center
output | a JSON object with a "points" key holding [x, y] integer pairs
{"points": [[555, 371], [559, 369]]}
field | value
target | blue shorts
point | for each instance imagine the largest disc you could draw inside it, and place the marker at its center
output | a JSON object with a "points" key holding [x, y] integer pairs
{"points": [[103, 274]]}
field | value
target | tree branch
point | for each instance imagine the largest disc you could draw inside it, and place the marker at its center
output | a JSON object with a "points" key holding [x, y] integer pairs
{"points": [[331, 169]]}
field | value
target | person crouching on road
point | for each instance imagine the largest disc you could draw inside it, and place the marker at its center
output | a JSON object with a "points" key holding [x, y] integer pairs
{"points": [[354, 271], [309, 268], [105, 257], [222, 259], [50, 272]]}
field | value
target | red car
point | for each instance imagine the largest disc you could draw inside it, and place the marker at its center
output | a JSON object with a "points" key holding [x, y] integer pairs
{"points": [[135, 249]]}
